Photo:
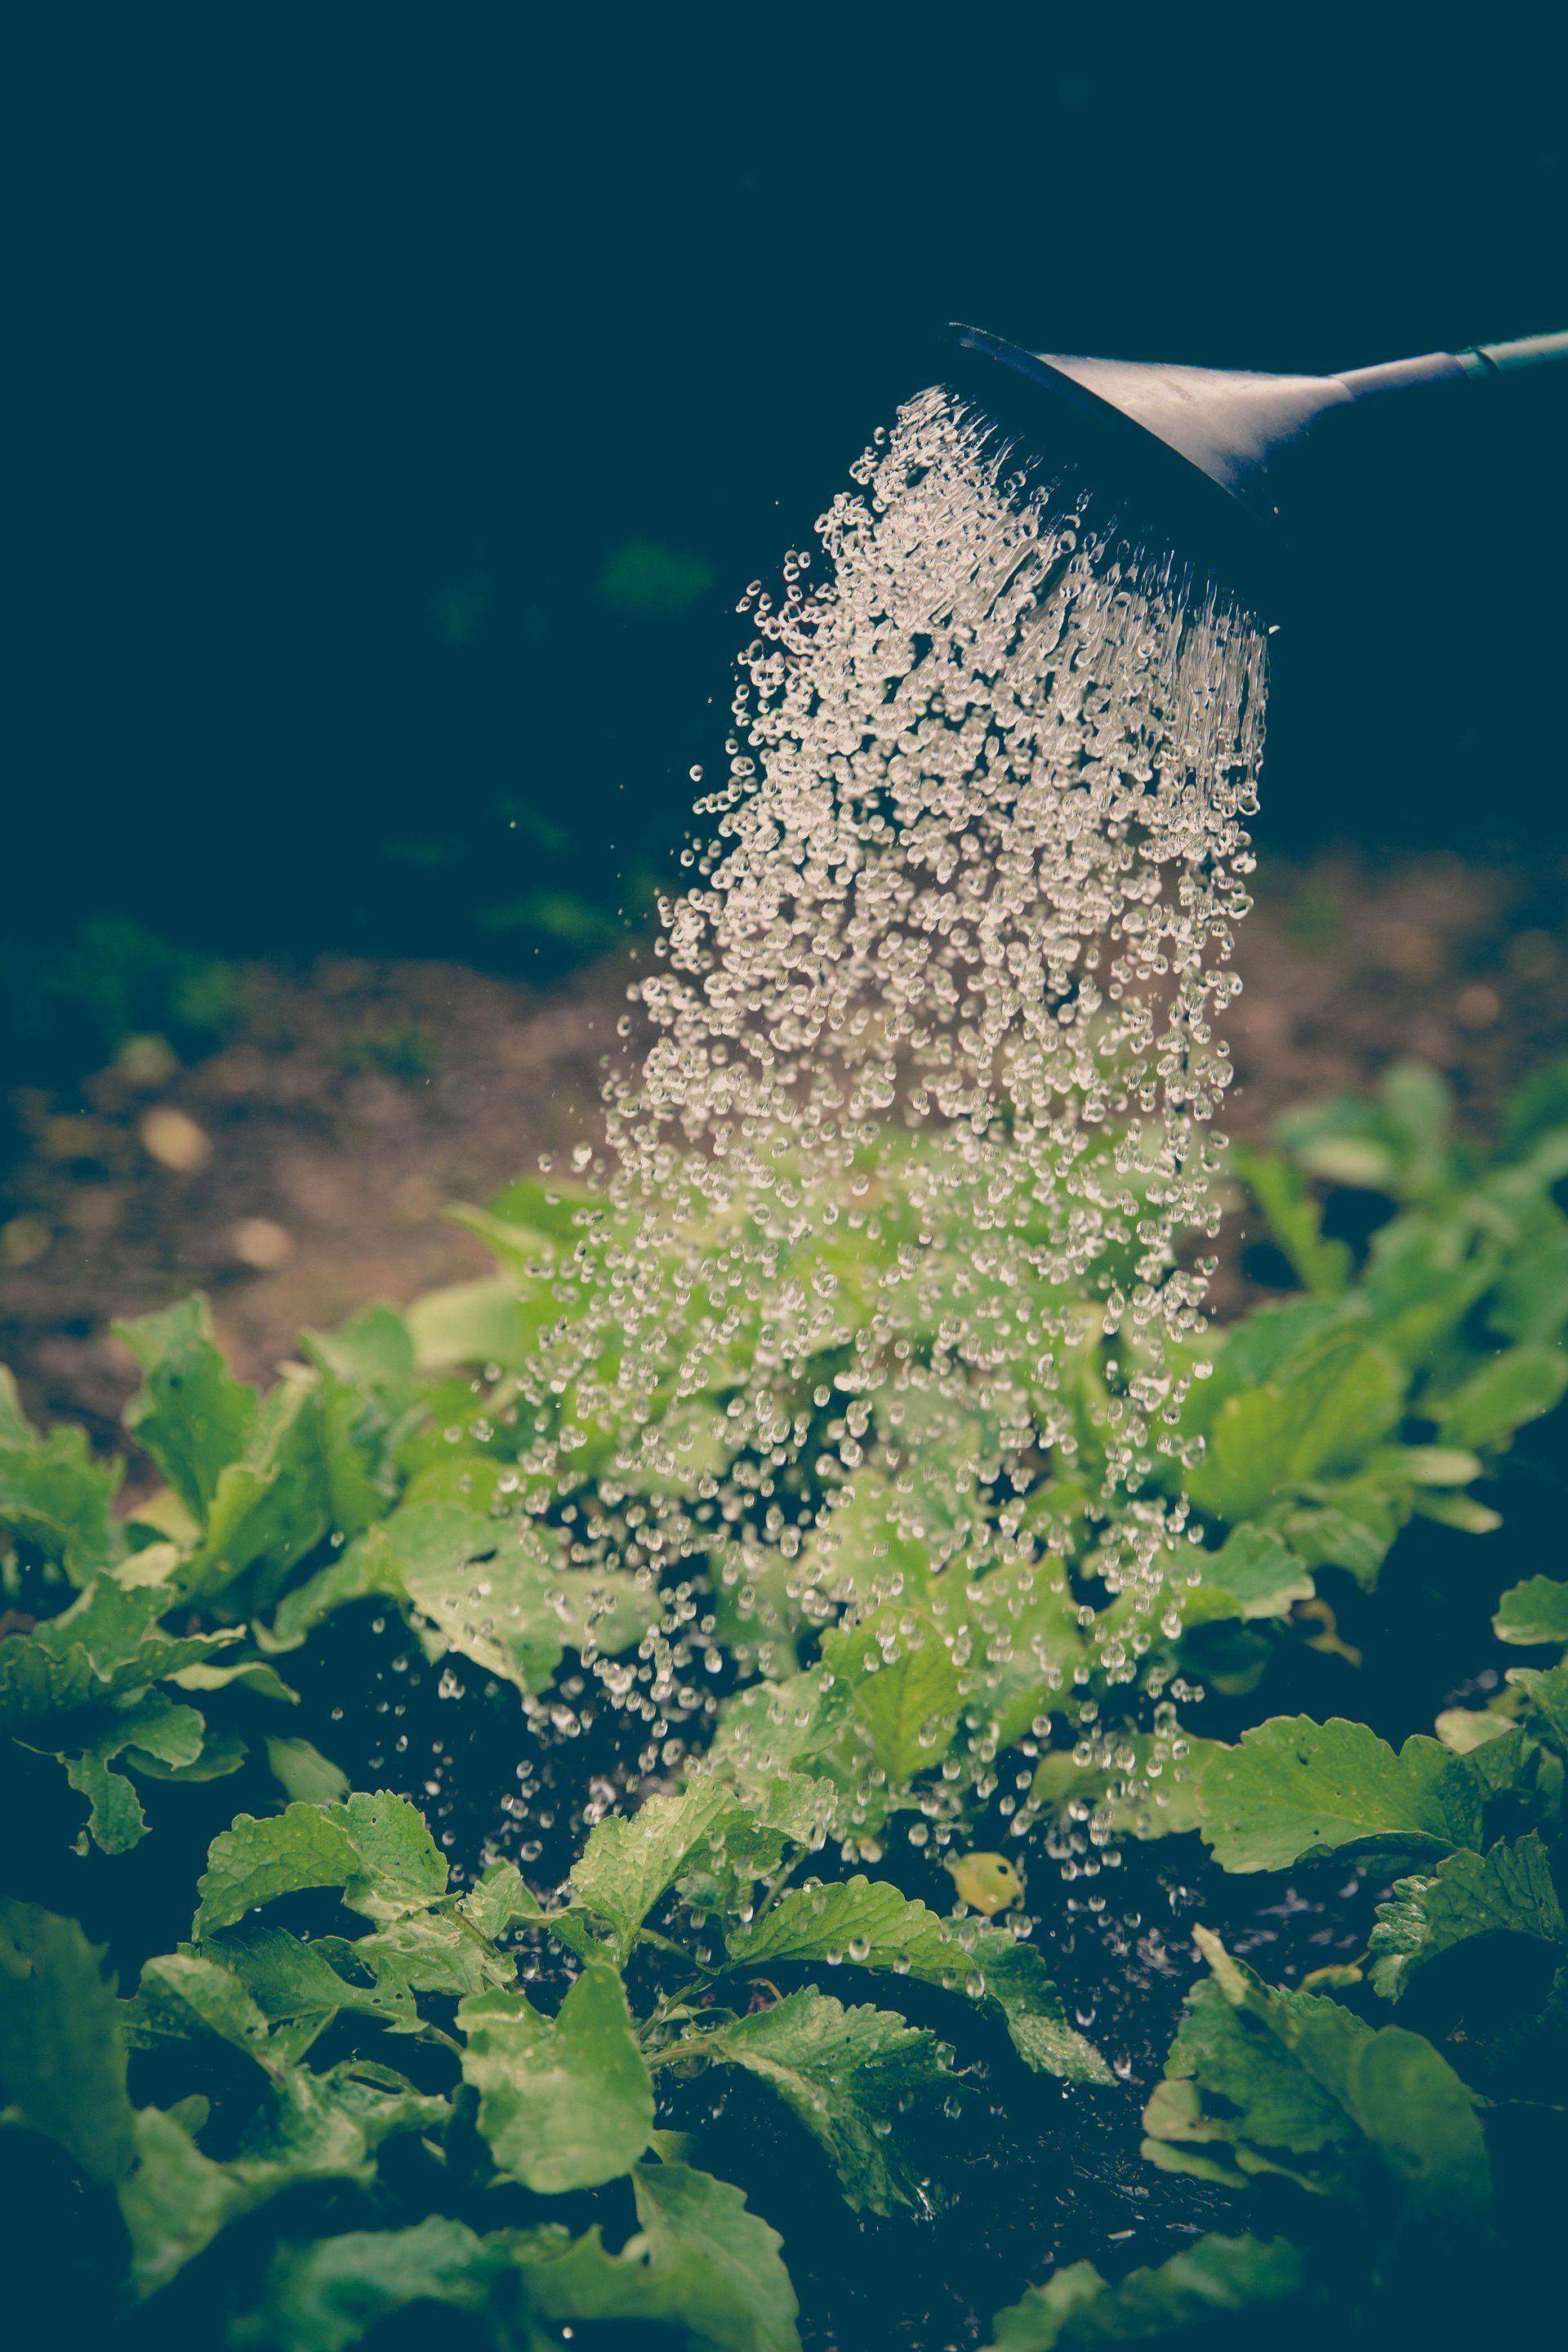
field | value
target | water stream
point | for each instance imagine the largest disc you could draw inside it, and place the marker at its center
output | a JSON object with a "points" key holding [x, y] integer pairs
{"points": [[928, 1111]]}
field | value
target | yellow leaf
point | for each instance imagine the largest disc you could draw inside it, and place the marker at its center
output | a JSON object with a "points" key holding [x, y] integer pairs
{"points": [[986, 1882]]}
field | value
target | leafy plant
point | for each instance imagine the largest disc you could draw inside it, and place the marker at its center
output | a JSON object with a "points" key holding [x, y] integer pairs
{"points": [[358, 2086]]}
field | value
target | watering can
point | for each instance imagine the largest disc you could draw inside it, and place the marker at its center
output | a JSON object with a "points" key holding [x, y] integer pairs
{"points": [[1220, 457]]}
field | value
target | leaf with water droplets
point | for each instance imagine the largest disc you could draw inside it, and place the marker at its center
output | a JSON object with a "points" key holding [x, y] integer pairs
{"points": [[855, 2077], [871, 1925], [684, 2211], [564, 2101], [191, 1414], [626, 1865], [1293, 1789], [903, 1685], [1257, 1569], [1320, 1412], [1508, 1892], [182, 1998], [377, 1849]]}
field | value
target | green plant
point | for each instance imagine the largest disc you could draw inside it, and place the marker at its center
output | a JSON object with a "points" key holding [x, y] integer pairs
{"points": [[918, 1636]]}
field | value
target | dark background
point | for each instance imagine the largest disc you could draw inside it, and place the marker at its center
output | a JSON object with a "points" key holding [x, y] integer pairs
{"points": [[407, 396]]}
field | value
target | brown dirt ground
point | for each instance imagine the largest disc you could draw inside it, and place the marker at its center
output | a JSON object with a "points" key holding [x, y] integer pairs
{"points": [[360, 1097]]}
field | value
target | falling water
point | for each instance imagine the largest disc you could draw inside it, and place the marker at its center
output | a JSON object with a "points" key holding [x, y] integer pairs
{"points": [[928, 1113]]}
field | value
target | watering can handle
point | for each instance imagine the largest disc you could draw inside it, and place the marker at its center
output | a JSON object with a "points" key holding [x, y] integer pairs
{"points": [[1481, 362], [1499, 359]]}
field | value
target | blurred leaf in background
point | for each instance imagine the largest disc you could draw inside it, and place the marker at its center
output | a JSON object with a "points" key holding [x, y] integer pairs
{"points": [[111, 986], [641, 577]]}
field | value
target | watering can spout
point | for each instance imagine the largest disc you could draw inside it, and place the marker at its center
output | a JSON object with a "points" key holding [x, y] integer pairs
{"points": [[1196, 447]]}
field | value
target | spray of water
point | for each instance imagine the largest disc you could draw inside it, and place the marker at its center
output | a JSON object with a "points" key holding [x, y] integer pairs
{"points": [[926, 1126]]}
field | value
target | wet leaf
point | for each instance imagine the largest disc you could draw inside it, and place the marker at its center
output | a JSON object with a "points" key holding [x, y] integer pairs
{"points": [[872, 1926], [1508, 1892], [564, 2101], [326, 2297], [626, 1865], [903, 1685], [684, 2212], [852, 2077], [1294, 1790], [377, 1849]]}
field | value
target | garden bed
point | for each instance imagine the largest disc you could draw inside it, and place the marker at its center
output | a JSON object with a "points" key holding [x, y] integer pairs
{"points": [[299, 2174]]}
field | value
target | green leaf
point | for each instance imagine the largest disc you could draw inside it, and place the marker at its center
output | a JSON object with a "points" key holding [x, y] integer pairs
{"points": [[564, 2101], [903, 1685], [873, 1926], [399, 1868], [257, 1861], [1465, 1729], [1203, 2285], [333, 2122], [312, 2128], [684, 2211], [1351, 1524], [1260, 2080], [789, 1809], [1508, 1892], [493, 1589], [1294, 1789], [804, 1723], [1259, 1572], [377, 1849], [373, 1353], [303, 1773], [640, 2289], [297, 1984], [151, 1728], [1319, 1413], [177, 2199], [252, 1673], [326, 2297], [626, 1865], [498, 1900], [1533, 1612], [468, 1323], [53, 1495], [351, 1435], [1545, 1691], [1517, 1386], [1156, 1797], [272, 1504], [62, 2054], [191, 1414], [434, 1951], [1295, 1220], [106, 1643], [515, 1611], [1460, 1511], [852, 2077], [184, 1998]]}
